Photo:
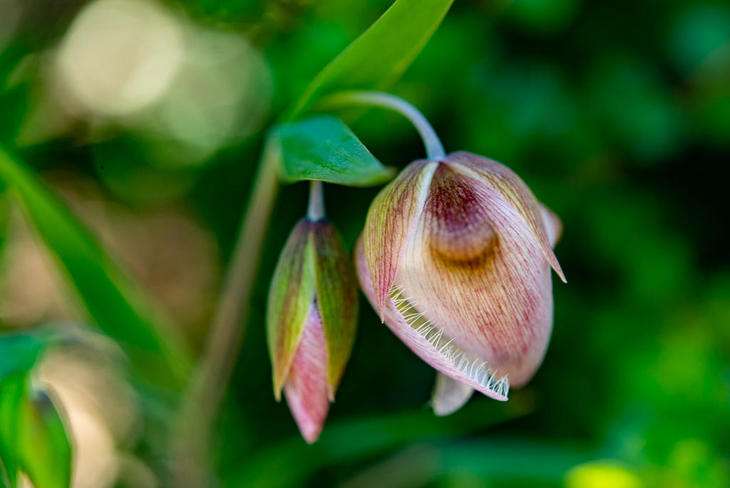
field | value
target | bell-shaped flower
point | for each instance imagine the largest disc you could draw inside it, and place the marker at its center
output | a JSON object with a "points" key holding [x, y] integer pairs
{"points": [[311, 322], [455, 257]]}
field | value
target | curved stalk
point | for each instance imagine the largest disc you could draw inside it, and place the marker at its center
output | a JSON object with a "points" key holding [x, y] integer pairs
{"points": [[191, 440], [434, 148]]}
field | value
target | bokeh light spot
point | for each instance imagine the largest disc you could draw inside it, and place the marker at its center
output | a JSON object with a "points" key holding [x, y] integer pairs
{"points": [[120, 56]]}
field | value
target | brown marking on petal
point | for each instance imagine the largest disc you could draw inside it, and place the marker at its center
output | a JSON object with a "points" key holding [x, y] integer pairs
{"points": [[497, 305], [459, 231], [513, 190]]}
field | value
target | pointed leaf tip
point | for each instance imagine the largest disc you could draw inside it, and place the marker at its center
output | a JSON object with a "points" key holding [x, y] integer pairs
{"points": [[394, 40], [323, 148]]}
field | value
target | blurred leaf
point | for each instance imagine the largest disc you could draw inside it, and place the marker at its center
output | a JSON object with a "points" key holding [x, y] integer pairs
{"points": [[525, 461], [18, 352], [325, 149], [12, 391], [358, 439], [4, 480], [543, 16], [381, 54], [701, 31], [155, 353], [32, 436], [44, 446], [513, 459]]}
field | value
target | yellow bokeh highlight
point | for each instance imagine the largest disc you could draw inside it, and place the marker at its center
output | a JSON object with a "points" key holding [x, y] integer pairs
{"points": [[601, 475]]}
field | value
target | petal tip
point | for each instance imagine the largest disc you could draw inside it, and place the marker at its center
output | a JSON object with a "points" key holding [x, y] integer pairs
{"points": [[449, 395], [559, 272], [310, 424], [312, 436], [278, 384]]}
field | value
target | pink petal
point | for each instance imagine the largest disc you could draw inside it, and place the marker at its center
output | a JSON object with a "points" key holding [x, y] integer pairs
{"points": [[435, 350], [517, 192], [306, 388], [389, 222], [449, 395], [553, 225], [492, 294]]}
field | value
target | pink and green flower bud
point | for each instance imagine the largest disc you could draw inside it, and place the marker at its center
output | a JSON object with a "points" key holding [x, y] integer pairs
{"points": [[455, 257], [311, 321]]}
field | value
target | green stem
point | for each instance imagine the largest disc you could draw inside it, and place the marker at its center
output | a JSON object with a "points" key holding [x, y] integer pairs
{"points": [[191, 441], [315, 210], [434, 148]]}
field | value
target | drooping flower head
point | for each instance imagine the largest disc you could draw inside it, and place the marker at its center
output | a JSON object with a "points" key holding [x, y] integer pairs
{"points": [[311, 322], [455, 257]]}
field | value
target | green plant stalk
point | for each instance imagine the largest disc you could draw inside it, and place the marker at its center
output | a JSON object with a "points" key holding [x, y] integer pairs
{"points": [[432, 143], [191, 440], [315, 209]]}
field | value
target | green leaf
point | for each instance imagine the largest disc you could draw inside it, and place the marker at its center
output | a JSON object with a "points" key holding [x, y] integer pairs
{"points": [[32, 436], [12, 393], [353, 440], [154, 351], [381, 54], [44, 446], [18, 353], [4, 478], [323, 148]]}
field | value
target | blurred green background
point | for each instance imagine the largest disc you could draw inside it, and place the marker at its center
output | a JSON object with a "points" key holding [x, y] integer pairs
{"points": [[149, 124]]}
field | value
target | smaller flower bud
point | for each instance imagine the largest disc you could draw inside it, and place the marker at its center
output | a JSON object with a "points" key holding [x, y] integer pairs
{"points": [[311, 322]]}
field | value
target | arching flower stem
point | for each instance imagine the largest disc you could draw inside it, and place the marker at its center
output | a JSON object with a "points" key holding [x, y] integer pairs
{"points": [[434, 148]]}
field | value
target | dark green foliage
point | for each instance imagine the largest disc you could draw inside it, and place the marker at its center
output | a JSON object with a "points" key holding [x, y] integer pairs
{"points": [[33, 439], [615, 113]]}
